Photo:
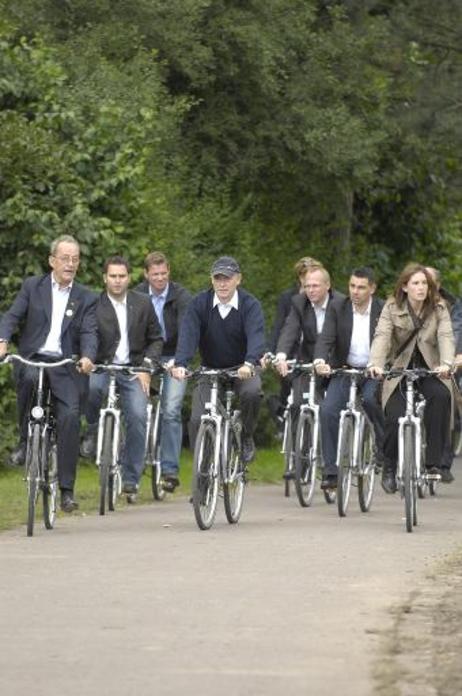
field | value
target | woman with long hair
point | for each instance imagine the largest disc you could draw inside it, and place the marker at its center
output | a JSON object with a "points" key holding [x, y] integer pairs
{"points": [[414, 330]]}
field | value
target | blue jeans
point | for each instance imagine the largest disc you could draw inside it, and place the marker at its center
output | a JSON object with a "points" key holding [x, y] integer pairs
{"points": [[335, 400], [172, 425], [133, 402]]}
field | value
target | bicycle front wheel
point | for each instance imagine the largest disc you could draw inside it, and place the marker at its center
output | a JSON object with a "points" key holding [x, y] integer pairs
{"points": [[345, 463], [158, 491], [305, 460], [105, 463], [50, 480], [288, 454], [233, 479], [205, 477], [366, 479], [32, 476], [409, 479]]}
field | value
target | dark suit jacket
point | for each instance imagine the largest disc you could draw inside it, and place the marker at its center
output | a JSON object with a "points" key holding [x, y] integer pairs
{"points": [[144, 332], [301, 321], [31, 312], [333, 344], [176, 302], [282, 312]]}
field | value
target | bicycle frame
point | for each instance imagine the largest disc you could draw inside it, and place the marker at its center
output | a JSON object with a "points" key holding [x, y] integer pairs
{"points": [[219, 415], [309, 405], [153, 419], [356, 413], [111, 409], [413, 418]]}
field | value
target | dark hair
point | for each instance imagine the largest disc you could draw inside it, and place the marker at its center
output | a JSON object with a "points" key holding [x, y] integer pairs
{"points": [[116, 261], [364, 272], [155, 258], [405, 276]]}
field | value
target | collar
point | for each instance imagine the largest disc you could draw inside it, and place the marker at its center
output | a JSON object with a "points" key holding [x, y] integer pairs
{"points": [[234, 301], [162, 295], [323, 305], [363, 314], [118, 302], [56, 286]]}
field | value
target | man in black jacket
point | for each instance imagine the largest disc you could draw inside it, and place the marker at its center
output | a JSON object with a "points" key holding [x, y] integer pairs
{"points": [[128, 334], [345, 341], [57, 318], [169, 300], [277, 402], [227, 325]]}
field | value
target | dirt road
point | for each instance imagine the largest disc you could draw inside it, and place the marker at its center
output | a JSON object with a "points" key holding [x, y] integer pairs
{"points": [[288, 602]]}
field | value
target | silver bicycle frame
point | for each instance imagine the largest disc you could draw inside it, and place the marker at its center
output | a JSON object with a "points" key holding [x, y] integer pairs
{"points": [[110, 409], [415, 420], [309, 405], [359, 418]]}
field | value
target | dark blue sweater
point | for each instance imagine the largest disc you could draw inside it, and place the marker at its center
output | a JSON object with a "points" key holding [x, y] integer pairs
{"points": [[222, 342]]}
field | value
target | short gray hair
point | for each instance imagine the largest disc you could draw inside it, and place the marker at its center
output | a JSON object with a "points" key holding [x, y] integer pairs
{"points": [[67, 238]]}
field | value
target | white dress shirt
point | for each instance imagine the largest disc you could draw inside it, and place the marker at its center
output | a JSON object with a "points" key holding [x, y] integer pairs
{"points": [[59, 300], [320, 312], [122, 354], [225, 307], [360, 345]]}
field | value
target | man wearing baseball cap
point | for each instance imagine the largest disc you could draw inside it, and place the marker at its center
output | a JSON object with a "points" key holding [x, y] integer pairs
{"points": [[226, 324]]}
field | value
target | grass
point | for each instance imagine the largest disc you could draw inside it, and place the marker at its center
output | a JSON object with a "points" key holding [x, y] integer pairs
{"points": [[267, 468]]}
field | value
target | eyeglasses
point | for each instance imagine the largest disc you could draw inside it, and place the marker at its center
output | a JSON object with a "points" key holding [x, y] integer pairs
{"points": [[68, 259]]}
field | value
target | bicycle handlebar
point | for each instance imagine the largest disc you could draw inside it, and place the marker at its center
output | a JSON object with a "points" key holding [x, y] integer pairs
{"points": [[11, 357], [128, 369]]}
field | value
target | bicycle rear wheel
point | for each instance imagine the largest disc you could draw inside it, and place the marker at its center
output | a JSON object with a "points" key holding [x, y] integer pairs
{"points": [[305, 460], [105, 462], [366, 479], [205, 477], [289, 470], [345, 463], [32, 475], [233, 478], [50, 480], [409, 479]]}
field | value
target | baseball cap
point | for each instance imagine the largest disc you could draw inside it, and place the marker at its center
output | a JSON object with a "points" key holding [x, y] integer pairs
{"points": [[226, 266]]}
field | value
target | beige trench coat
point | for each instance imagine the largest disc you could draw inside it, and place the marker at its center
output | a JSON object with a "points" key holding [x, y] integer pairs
{"points": [[435, 341]]}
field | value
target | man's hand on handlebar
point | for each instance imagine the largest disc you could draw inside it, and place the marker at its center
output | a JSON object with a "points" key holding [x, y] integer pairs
{"points": [[322, 368], [245, 371], [178, 372], [84, 366]]}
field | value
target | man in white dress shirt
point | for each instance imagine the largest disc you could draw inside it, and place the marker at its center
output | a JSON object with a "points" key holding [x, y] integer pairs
{"points": [[345, 341]]}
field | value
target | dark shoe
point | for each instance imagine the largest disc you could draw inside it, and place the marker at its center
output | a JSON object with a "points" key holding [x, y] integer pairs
{"points": [[88, 446], [379, 460], [248, 449], [131, 498], [329, 482], [68, 504], [170, 482], [389, 482], [130, 488], [18, 456], [446, 476], [434, 471]]}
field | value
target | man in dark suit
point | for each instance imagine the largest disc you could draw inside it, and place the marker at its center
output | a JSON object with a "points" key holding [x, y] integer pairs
{"points": [[303, 326], [277, 402], [226, 323], [169, 300], [128, 334], [345, 341], [58, 321]]}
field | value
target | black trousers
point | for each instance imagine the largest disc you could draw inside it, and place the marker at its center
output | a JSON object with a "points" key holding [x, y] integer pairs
{"points": [[437, 416], [249, 393], [67, 388]]}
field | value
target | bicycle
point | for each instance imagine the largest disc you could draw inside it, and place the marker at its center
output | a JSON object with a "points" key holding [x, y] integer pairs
{"points": [[218, 453], [303, 457], [308, 457], [153, 440], [41, 463], [109, 439], [411, 474], [355, 449]]}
